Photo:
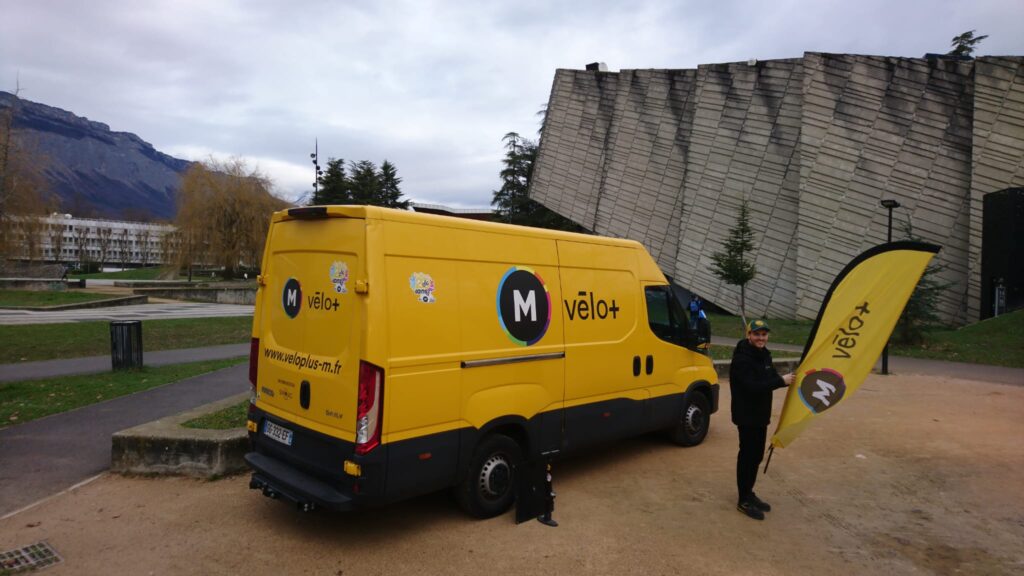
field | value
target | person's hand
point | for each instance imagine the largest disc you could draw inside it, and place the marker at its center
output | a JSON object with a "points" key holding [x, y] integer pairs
{"points": [[788, 379]]}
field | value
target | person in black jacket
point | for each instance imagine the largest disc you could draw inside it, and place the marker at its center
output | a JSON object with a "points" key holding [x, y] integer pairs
{"points": [[752, 378]]}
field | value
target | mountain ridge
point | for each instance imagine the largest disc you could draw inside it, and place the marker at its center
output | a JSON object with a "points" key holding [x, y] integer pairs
{"points": [[93, 170]]}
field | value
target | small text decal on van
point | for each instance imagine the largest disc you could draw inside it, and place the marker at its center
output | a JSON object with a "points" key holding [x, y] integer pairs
{"points": [[524, 306], [291, 298]]}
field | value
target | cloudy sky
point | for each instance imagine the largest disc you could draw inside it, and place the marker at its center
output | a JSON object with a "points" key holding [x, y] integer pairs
{"points": [[431, 86]]}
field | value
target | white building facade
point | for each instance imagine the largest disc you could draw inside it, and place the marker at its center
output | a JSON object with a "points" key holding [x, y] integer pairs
{"points": [[64, 239]]}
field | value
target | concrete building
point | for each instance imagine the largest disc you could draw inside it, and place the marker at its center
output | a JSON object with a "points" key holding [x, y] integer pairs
{"points": [[813, 143], [64, 239]]}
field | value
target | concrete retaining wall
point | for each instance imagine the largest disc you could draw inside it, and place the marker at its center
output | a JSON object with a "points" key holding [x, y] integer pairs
{"points": [[41, 284], [123, 301], [212, 295], [165, 447]]}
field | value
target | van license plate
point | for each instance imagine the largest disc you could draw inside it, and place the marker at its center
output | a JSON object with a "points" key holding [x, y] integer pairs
{"points": [[279, 433]]}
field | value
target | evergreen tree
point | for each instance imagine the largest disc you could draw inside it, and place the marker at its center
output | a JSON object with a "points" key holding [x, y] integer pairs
{"points": [[732, 265], [964, 44], [334, 186], [361, 183], [512, 201], [390, 193], [365, 183]]}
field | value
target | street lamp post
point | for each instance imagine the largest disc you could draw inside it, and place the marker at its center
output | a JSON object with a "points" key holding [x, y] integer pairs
{"points": [[889, 204], [317, 172]]}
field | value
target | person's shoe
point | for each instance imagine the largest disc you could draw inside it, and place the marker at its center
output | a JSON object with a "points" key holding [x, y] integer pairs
{"points": [[750, 509], [760, 504]]}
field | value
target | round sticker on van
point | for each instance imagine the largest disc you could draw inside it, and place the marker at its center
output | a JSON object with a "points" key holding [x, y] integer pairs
{"points": [[291, 297], [524, 306]]}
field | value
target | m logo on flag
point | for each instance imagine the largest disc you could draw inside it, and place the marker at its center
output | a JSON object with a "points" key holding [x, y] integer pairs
{"points": [[822, 389]]}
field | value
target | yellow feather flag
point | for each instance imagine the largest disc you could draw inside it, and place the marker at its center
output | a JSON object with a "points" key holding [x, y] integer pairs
{"points": [[854, 323]]}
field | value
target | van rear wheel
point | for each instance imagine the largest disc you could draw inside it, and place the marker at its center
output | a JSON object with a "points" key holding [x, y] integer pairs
{"points": [[694, 421], [489, 486]]}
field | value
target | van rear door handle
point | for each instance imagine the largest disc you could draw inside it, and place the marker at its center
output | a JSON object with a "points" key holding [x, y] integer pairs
{"points": [[650, 364], [636, 365]]}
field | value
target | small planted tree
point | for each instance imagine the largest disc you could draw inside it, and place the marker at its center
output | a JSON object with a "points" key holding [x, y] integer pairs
{"points": [[731, 265], [920, 311]]}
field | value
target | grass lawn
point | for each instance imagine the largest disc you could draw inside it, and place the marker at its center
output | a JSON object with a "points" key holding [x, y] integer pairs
{"points": [[226, 419], [30, 399], [997, 341], [148, 273], [33, 342], [47, 297], [783, 331]]}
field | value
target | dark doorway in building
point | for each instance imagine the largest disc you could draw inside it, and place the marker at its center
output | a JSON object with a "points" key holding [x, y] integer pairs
{"points": [[1002, 252]]}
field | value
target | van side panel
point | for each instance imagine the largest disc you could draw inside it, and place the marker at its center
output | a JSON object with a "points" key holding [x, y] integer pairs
{"points": [[600, 308], [441, 287]]}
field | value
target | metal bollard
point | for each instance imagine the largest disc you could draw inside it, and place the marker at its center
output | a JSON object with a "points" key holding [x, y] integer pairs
{"points": [[125, 344]]}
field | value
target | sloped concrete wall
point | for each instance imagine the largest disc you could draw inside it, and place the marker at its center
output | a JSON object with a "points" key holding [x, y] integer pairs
{"points": [[666, 157], [877, 127], [997, 154]]}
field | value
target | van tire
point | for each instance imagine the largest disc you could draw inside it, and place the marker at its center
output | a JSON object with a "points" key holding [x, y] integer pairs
{"points": [[694, 421], [489, 487]]}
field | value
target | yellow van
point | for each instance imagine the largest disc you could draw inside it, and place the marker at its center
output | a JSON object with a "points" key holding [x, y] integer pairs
{"points": [[396, 353]]}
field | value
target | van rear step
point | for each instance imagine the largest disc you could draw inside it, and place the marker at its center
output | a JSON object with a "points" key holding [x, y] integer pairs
{"points": [[278, 480]]}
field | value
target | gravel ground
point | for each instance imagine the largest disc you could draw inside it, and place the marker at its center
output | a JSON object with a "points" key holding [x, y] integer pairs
{"points": [[912, 475]]}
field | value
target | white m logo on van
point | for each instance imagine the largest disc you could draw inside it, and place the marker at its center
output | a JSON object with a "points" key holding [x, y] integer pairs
{"points": [[292, 298], [524, 306], [527, 306]]}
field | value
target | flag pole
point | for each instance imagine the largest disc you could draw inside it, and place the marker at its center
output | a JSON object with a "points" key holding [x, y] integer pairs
{"points": [[771, 450]]}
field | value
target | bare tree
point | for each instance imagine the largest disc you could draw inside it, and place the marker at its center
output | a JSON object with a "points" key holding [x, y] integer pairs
{"points": [[105, 238], [223, 215], [170, 244], [24, 196], [57, 241], [124, 248], [81, 236], [144, 237]]}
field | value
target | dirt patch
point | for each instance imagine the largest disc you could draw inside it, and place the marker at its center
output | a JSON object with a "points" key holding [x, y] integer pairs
{"points": [[913, 475]]}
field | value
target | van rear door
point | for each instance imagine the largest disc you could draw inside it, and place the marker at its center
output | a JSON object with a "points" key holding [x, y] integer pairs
{"points": [[311, 321]]}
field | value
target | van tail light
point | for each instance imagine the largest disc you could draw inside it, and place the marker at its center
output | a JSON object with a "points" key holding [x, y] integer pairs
{"points": [[368, 410], [254, 361]]}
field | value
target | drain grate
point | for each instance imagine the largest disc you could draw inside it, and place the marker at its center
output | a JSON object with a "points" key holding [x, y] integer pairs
{"points": [[39, 555]]}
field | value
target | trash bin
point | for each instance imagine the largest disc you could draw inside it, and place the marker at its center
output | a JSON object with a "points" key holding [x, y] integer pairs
{"points": [[126, 344]]}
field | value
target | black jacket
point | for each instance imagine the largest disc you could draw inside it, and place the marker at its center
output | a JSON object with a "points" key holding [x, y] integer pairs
{"points": [[752, 378]]}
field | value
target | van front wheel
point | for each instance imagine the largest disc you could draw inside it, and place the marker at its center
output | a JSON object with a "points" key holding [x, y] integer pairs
{"points": [[693, 422], [489, 486]]}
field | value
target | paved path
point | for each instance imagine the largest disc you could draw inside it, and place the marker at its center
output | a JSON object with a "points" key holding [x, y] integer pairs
{"points": [[94, 364], [45, 456], [160, 311]]}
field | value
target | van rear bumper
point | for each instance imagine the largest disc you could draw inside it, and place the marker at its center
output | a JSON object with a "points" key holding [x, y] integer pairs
{"points": [[277, 479]]}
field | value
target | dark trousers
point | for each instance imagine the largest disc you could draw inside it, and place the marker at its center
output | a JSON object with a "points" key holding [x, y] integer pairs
{"points": [[752, 439]]}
